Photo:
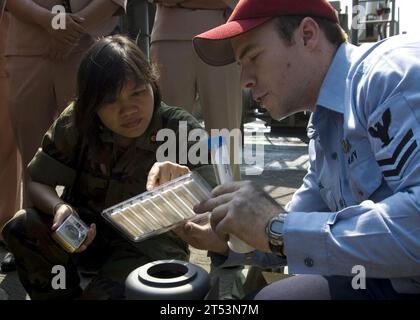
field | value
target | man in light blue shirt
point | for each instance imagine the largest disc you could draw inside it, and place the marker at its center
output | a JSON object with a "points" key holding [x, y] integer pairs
{"points": [[358, 209]]}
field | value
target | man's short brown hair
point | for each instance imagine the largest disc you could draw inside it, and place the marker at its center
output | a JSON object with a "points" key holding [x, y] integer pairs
{"points": [[286, 25]]}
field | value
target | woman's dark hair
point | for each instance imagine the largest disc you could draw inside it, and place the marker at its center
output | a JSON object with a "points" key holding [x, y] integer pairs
{"points": [[104, 70], [286, 25]]}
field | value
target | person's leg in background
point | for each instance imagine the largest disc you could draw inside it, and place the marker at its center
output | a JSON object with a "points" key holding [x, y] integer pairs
{"points": [[177, 75], [65, 82], [221, 102], [10, 168], [31, 96], [41, 90]]}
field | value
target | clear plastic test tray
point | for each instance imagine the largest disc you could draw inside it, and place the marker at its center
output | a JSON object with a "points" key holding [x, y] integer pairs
{"points": [[157, 211]]}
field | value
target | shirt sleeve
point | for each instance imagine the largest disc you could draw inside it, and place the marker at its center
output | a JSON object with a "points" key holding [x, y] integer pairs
{"points": [[53, 164], [382, 236], [255, 258]]}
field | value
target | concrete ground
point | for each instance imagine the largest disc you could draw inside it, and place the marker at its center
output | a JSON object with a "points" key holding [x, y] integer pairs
{"points": [[280, 174]]}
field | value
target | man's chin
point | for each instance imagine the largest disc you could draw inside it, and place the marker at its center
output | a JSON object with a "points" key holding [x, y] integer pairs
{"points": [[276, 116]]}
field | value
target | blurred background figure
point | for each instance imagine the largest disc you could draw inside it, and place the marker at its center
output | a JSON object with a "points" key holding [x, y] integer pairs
{"points": [[10, 170], [42, 62], [184, 78], [138, 23]]}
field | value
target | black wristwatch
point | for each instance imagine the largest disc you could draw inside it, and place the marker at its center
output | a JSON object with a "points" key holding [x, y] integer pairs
{"points": [[274, 231]]}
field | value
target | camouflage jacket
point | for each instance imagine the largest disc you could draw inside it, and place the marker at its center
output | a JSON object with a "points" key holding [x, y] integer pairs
{"points": [[111, 175]]}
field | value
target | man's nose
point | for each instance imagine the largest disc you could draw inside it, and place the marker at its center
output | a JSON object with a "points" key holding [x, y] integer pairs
{"points": [[247, 80]]}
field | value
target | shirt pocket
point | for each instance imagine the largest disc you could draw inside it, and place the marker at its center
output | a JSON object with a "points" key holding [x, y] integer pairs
{"points": [[325, 176]]}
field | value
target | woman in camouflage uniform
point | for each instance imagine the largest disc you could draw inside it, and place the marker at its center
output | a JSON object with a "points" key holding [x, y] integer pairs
{"points": [[101, 148]]}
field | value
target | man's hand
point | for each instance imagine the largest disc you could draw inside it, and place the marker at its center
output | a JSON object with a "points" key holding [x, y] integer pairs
{"points": [[72, 32], [239, 208], [61, 213], [163, 172], [202, 237], [63, 41]]}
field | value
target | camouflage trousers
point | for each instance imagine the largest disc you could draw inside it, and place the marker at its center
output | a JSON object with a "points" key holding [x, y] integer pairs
{"points": [[110, 256]]}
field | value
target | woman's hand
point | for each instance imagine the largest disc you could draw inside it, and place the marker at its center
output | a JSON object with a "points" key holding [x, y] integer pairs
{"points": [[61, 213], [202, 237], [163, 172]]}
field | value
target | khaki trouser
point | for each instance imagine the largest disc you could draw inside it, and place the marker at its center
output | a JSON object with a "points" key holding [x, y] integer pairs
{"points": [[40, 90], [183, 75], [10, 170]]}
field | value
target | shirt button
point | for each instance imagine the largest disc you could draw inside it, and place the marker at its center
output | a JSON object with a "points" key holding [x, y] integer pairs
{"points": [[309, 262], [334, 156]]}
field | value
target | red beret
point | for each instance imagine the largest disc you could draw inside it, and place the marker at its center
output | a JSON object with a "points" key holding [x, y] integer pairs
{"points": [[214, 47]]}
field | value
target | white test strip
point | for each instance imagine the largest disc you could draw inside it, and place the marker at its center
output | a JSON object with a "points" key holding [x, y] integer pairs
{"points": [[183, 194], [119, 220], [169, 199], [126, 214], [154, 211], [170, 196], [196, 190], [167, 209], [146, 216], [191, 196], [185, 209], [163, 218], [138, 221]]}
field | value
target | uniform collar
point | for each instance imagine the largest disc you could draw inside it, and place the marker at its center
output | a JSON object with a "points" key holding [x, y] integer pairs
{"points": [[333, 87]]}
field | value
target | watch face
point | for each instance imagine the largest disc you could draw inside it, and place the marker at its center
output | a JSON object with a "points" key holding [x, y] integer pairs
{"points": [[277, 227]]}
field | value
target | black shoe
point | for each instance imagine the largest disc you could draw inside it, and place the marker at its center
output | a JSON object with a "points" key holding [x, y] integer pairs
{"points": [[8, 264]]}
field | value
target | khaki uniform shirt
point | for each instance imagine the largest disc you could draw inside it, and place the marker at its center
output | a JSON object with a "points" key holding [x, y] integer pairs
{"points": [[173, 23], [30, 39]]}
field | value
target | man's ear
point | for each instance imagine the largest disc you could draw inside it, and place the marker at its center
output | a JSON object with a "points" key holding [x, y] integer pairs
{"points": [[308, 33]]}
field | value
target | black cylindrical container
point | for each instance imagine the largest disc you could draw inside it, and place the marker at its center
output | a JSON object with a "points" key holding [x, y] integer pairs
{"points": [[167, 280]]}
